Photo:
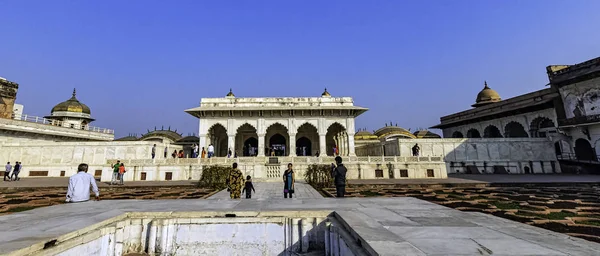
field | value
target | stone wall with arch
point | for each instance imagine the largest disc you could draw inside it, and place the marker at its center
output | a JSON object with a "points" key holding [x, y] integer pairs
{"points": [[523, 119], [291, 124]]}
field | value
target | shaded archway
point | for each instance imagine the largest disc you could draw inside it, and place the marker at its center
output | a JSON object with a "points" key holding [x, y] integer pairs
{"points": [[557, 149], [336, 138], [303, 147], [584, 150], [492, 131], [217, 135], [246, 142], [515, 130], [309, 132], [457, 134], [278, 145], [277, 140], [473, 133], [540, 126], [250, 147]]}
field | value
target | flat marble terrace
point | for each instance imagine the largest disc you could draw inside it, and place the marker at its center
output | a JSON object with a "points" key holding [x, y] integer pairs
{"points": [[390, 226]]}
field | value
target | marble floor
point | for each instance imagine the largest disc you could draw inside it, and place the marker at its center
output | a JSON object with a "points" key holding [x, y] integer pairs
{"points": [[384, 226]]}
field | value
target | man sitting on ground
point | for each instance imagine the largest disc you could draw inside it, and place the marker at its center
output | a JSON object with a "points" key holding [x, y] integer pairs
{"points": [[79, 186]]}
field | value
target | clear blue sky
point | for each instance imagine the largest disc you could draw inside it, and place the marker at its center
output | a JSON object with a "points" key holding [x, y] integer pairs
{"points": [[139, 64]]}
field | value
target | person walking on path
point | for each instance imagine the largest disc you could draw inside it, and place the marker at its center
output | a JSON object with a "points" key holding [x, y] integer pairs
{"points": [[248, 187], [7, 170], [289, 178], [121, 173], [16, 171], [203, 153], [235, 181], [79, 186], [153, 151], [339, 177], [115, 176]]}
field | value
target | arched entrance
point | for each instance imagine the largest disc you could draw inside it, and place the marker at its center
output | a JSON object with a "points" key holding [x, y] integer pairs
{"points": [[515, 130], [251, 147], [246, 143], [492, 131], [303, 147], [278, 145], [584, 150], [557, 149], [540, 126], [457, 134], [277, 140], [473, 133], [336, 139], [217, 135]]}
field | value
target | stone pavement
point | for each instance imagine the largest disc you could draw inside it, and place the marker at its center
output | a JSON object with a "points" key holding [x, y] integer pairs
{"points": [[382, 226], [60, 182], [487, 179], [274, 190]]}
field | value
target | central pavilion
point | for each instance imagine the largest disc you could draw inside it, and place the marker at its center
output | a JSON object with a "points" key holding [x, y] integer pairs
{"points": [[285, 126]]}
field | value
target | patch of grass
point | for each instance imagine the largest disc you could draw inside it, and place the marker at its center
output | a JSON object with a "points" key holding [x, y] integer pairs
{"points": [[506, 205], [368, 193], [551, 216], [589, 222], [22, 208]]}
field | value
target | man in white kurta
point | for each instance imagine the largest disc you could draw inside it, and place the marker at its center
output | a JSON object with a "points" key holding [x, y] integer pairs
{"points": [[79, 185]]}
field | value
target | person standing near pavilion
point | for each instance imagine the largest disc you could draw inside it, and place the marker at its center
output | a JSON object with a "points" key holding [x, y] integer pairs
{"points": [[7, 170], [235, 182], [203, 154], [211, 150], [115, 176], [153, 151], [166, 152], [339, 177], [121, 174], [229, 153], [80, 184], [289, 179]]}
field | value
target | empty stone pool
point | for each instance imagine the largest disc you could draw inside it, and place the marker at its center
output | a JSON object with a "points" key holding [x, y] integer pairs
{"points": [[206, 233]]}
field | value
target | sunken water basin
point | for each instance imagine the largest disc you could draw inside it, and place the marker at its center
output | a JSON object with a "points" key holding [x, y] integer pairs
{"points": [[207, 233]]}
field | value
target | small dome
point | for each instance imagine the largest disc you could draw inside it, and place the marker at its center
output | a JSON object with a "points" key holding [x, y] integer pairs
{"points": [[364, 135], [71, 105], [486, 96], [393, 130], [325, 93], [425, 134], [230, 94]]}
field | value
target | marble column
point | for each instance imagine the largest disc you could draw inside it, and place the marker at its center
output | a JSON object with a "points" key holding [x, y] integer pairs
{"points": [[351, 151], [261, 145], [292, 147], [231, 144], [202, 142], [322, 145]]}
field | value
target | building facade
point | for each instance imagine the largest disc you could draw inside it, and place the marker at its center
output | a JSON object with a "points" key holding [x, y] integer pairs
{"points": [[278, 126]]}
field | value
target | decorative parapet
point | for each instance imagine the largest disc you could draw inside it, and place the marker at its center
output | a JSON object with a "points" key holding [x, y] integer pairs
{"points": [[58, 123], [285, 160], [41, 126]]}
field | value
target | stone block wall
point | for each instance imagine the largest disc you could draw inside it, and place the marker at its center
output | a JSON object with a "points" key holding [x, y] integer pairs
{"points": [[8, 95], [515, 155]]}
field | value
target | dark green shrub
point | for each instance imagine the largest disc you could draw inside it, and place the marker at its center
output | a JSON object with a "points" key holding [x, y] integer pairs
{"points": [[319, 176], [214, 176]]}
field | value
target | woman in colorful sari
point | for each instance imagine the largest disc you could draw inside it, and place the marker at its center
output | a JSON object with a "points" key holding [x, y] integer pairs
{"points": [[235, 182], [289, 178]]}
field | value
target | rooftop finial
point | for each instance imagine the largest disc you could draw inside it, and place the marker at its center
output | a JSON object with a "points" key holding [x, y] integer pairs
{"points": [[74, 92], [326, 93], [230, 94], [485, 85]]}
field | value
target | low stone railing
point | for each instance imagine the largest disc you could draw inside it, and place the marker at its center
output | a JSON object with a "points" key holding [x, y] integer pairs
{"points": [[57, 123], [284, 159]]}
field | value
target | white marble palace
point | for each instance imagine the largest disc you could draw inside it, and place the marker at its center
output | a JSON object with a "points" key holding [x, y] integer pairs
{"points": [[264, 134], [278, 126]]}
